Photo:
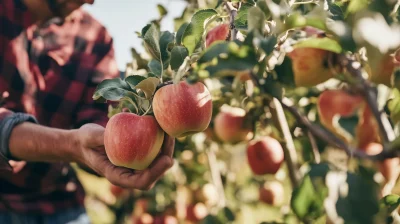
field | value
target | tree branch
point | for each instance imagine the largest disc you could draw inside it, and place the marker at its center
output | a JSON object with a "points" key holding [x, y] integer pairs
{"points": [[289, 148], [354, 68], [314, 146], [333, 140], [233, 12]]}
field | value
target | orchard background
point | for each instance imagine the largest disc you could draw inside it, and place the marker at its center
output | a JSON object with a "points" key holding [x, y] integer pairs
{"points": [[305, 118]]}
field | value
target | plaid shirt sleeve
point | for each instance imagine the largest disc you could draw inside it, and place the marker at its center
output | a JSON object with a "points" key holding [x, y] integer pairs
{"points": [[105, 68]]}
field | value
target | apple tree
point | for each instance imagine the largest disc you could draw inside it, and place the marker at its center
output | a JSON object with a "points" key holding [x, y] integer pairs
{"points": [[284, 111]]}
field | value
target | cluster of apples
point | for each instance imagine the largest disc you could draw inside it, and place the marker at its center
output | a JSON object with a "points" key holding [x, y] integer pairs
{"points": [[181, 109]]}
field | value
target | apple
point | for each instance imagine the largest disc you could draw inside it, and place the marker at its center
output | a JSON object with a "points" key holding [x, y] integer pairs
{"points": [[310, 66], [196, 212], [117, 191], [165, 220], [367, 129], [183, 109], [229, 125], [143, 219], [132, 141], [219, 32], [331, 103], [382, 72], [272, 193], [265, 155], [388, 166]]}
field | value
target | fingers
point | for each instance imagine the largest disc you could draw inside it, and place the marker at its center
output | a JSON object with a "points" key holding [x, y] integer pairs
{"points": [[168, 146], [142, 180]]}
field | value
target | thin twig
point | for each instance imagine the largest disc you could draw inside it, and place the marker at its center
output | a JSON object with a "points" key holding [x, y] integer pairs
{"points": [[354, 68], [216, 174], [314, 147], [233, 13], [289, 148], [164, 84]]}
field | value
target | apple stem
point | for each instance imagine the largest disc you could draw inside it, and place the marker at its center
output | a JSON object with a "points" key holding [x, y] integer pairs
{"points": [[148, 110], [370, 95], [289, 147], [181, 71]]}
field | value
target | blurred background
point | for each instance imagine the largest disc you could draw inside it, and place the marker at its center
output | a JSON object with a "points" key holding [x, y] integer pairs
{"points": [[124, 17]]}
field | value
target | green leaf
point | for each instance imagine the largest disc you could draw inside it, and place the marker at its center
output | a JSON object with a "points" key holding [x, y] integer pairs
{"points": [[155, 67], [218, 3], [356, 5], [349, 124], [268, 44], [241, 17], [390, 201], [148, 86], [394, 106], [285, 73], [307, 202], [256, 19], [229, 214], [111, 89], [193, 35], [264, 8], [336, 12], [237, 60], [151, 37], [273, 87], [180, 32], [178, 55], [215, 50], [162, 10], [320, 43], [141, 63], [133, 80], [165, 40]]}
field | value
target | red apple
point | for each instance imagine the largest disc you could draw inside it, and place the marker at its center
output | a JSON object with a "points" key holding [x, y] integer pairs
{"points": [[387, 167], [219, 32], [309, 66], [196, 212], [132, 141], [183, 109], [143, 219], [229, 125], [272, 193], [265, 155], [116, 190], [165, 220]]}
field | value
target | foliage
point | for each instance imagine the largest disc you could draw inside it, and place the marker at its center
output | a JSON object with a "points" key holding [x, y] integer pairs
{"points": [[277, 60]]}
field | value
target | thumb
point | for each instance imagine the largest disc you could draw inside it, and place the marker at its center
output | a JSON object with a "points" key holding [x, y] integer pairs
{"points": [[93, 135]]}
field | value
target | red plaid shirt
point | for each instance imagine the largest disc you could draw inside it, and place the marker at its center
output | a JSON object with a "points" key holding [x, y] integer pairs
{"points": [[50, 72]]}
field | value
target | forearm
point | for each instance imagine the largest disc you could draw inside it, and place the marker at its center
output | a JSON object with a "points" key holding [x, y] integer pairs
{"points": [[33, 142]]}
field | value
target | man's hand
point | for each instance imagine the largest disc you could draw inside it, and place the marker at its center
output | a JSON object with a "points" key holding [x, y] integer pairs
{"points": [[91, 152]]}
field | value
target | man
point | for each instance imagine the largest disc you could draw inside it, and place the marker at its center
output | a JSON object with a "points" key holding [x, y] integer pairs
{"points": [[52, 57]]}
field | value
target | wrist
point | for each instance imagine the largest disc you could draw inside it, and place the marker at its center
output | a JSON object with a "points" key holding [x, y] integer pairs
{"points": [[74, 147]]}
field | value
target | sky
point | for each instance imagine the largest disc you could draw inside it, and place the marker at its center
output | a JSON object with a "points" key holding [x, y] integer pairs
{"points": [[123, 18]]}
